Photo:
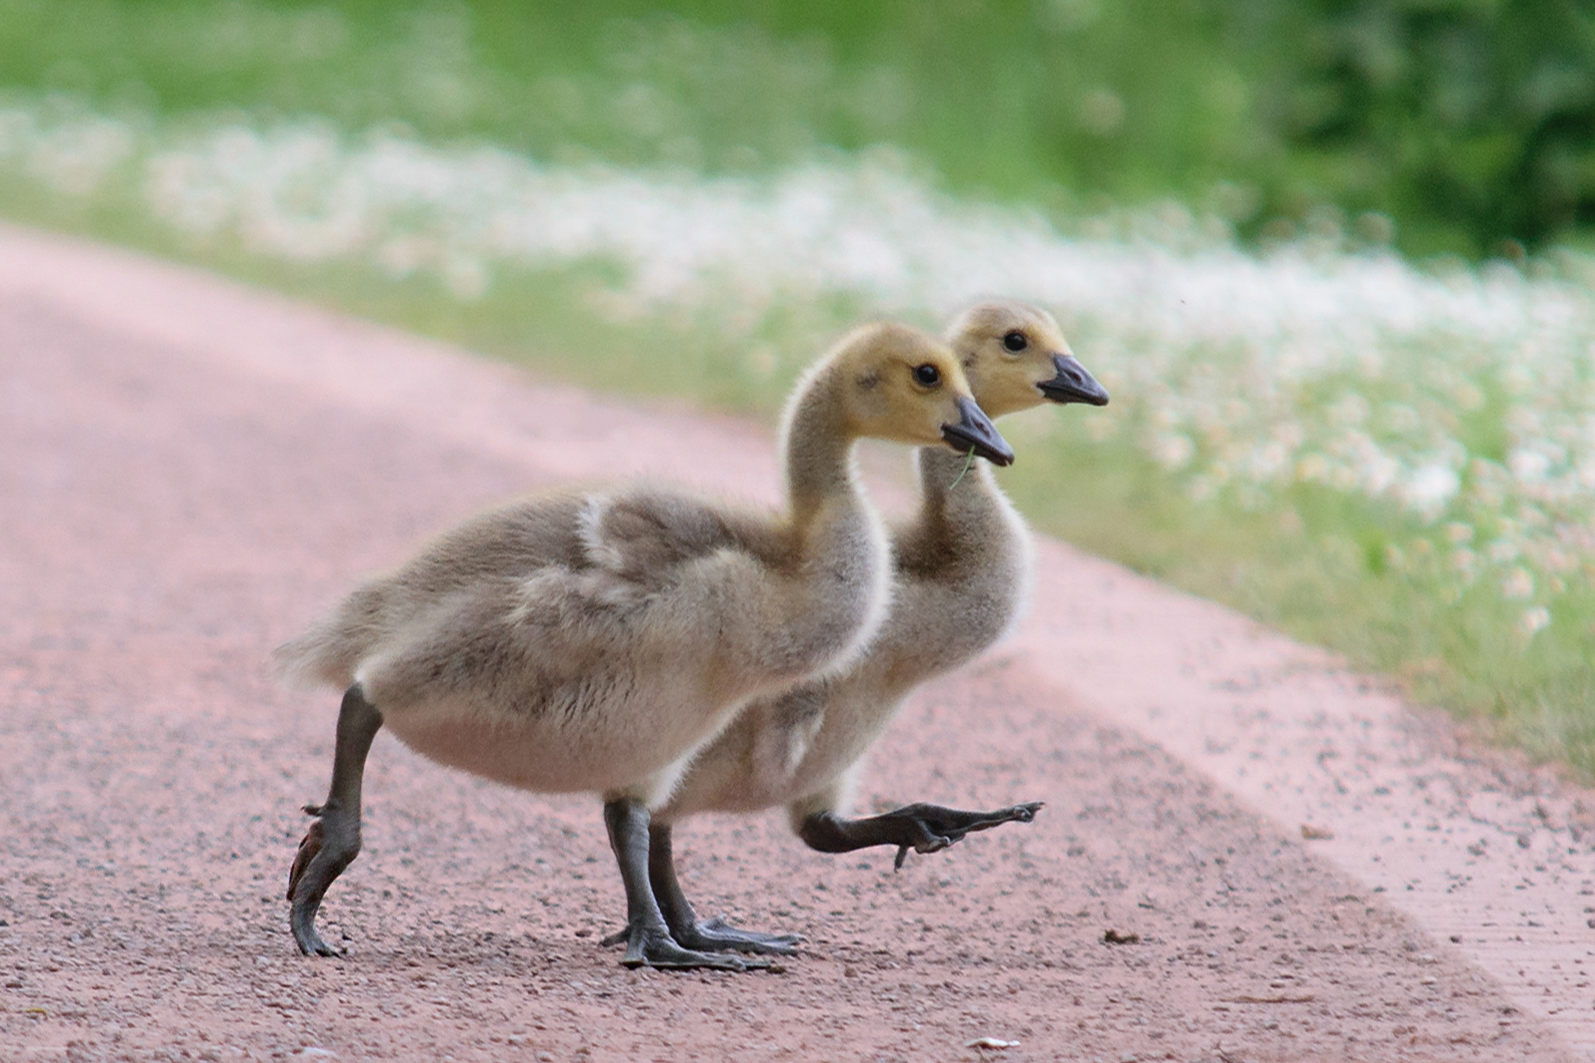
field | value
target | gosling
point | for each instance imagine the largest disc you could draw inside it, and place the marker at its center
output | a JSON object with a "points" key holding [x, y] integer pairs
{"points": [[583, 641], [962, 575]]}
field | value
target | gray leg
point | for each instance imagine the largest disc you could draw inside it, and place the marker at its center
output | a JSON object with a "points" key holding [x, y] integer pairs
{"points": [[921, 827], [715, 935], [333, 840], [647, 937]]}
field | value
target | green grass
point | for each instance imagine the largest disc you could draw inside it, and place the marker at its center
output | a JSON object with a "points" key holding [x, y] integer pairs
{"points": [[1318, 567]]}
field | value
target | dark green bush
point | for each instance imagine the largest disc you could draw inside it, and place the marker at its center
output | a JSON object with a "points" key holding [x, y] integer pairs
{"points": [[1471, 121]]}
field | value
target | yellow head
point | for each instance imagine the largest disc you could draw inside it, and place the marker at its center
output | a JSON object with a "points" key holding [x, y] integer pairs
{"points": [[1015, 357], [899, 384]]}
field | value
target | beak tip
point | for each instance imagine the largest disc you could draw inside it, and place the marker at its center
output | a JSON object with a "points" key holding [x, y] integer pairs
{"points": [[1073, 384], [974, 433]]}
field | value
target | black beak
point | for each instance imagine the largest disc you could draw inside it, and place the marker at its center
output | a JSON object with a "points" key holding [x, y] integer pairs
{"points": [[1073, 383], [974, 431]]}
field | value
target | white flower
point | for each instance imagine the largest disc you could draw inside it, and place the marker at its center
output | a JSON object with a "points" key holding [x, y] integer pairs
{"points": [[1430, 489], [1528, 465], [1534, 620], [1173, 451], [1517, 584]]}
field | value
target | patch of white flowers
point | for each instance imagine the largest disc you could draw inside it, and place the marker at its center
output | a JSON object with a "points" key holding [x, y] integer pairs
{"points": [[1466, 398]]}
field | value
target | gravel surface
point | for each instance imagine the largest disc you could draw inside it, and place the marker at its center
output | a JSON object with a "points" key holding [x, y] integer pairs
{"points": [[190, 471]]}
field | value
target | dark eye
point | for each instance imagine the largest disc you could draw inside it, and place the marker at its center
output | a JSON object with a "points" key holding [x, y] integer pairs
{"points": [[927, 375], [1015, 341]]}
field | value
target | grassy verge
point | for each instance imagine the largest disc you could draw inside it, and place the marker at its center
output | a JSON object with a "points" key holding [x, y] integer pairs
{"points": [[1319, 567]]}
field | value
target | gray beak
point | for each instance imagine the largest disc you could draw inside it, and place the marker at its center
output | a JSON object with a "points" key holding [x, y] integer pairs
{"points": [[974, 431], [1073, 383]]}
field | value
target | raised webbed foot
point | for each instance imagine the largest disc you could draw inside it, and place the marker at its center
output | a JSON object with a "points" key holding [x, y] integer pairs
{"points": [[652, 946], [329, 846], [717, 935], [933, 828], [921, 827]]}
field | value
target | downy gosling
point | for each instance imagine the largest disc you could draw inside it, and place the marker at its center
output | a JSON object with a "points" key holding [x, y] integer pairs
{"points": [[962, 574], [591, 641]]}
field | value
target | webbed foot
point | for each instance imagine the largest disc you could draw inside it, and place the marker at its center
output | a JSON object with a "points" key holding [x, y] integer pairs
{"points": [[333, 840], [935, 828], [329, 846], [920, 827], [647, 935], [717, 935], [654, 947]]}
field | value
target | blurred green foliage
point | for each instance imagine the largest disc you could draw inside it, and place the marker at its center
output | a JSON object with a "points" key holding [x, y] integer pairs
{"points": [[1469, 122], [1472, 121]]}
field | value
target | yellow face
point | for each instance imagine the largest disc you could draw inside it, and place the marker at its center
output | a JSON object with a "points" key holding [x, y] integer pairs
{"points": [[908, 387], [1008, 351]]}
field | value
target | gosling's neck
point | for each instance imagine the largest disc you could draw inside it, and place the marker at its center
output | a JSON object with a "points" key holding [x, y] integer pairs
{"points": [[965, 523], [952, 483], [818, 447]]}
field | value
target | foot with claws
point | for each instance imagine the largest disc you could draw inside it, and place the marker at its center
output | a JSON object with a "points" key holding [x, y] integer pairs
{"points": [[652, 945], [661, 928], [710, 935], [921, 827], [333, 840], [717, 935], [329, 846]]}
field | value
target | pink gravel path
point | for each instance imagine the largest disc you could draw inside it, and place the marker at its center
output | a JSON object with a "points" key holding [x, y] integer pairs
{"points": [[189, 470]]}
